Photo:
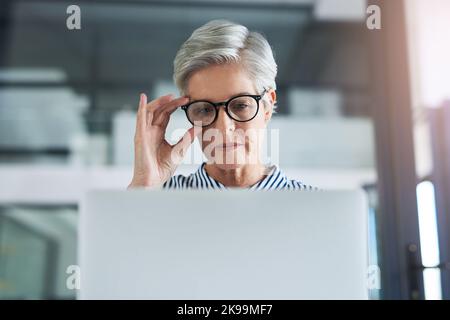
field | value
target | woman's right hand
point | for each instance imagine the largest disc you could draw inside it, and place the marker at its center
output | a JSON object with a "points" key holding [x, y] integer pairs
{"points": [[155, 160]]}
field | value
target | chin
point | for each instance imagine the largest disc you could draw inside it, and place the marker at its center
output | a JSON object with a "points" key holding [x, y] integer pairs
{"points": [[229, 160], [231, 166]]}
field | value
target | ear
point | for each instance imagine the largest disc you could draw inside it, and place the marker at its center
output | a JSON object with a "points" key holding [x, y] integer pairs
{"points": [[272, 97]]}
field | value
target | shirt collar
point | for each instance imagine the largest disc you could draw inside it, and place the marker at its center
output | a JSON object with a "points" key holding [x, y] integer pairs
{"points": [[274, 180]]}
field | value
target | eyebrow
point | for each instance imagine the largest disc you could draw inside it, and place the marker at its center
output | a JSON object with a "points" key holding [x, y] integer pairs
{"points": [[234, 95]]}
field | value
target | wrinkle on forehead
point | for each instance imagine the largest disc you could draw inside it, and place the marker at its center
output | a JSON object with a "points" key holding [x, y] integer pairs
{"points": [[219, 83]]}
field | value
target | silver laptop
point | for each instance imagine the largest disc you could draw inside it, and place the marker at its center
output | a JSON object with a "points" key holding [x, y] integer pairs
{"points": [[223, 245]]}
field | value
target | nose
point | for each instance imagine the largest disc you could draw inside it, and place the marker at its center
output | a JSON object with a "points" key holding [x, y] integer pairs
{"points": [[223, 122]]}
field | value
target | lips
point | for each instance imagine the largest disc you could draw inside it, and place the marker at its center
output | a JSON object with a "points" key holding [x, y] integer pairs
{"points": [[230, 145]]}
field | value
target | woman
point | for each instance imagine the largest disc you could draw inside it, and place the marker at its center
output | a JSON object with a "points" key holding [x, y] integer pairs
{"points": [[226, 76]]}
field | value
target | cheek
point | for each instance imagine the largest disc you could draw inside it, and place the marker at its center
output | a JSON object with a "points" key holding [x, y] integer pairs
{"points": [[259, 120], [253, 136]]}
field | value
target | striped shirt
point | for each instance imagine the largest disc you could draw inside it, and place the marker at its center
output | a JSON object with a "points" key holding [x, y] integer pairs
{"points": [[275, 180]]}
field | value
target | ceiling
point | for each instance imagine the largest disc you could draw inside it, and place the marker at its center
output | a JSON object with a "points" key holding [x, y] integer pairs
{"points": [[128, 46]]}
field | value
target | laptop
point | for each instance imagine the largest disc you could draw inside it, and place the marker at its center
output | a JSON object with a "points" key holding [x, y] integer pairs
{"points": [[227, 245]]}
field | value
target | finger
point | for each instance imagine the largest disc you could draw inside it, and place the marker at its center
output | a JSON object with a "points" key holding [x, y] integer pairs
{"points": [[155, 104], [166, 109], [141, 119], [148, 107], [180, 148], [162, 114]]}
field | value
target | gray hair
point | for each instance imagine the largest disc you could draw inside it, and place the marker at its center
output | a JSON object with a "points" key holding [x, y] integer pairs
{"points": [[222, 41]]}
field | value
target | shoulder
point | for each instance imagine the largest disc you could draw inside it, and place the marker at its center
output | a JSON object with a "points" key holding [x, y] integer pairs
{"points": [[293, 184], [275, 180], [278, 180], [196, 180], [176, 182], [180, 181]]}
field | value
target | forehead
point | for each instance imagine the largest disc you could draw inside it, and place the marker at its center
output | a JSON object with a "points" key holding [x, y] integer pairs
{"points": [[219, 82]]}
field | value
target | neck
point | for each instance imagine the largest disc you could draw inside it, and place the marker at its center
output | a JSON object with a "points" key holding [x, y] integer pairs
{"points": [[241, 177]]}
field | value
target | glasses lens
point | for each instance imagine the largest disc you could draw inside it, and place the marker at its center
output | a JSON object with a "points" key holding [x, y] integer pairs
{"points": [[243, 108], [201, 113]]}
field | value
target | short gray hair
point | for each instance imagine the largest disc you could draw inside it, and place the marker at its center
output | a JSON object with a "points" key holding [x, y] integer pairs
{"points": [[222, 41]]}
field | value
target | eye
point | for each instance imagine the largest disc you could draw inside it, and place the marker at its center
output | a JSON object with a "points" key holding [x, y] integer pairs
{"points": [[204, 109], [242, 104]]}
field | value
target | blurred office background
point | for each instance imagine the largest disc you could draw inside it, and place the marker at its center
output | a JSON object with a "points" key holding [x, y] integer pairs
{"points": [[357, 108]]}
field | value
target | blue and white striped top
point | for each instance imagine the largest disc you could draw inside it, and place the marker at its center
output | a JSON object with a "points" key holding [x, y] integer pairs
{"points": [[275, 180]]}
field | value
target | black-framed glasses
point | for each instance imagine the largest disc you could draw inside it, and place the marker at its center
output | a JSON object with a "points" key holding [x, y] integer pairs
{"points": [[241, 108]]}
